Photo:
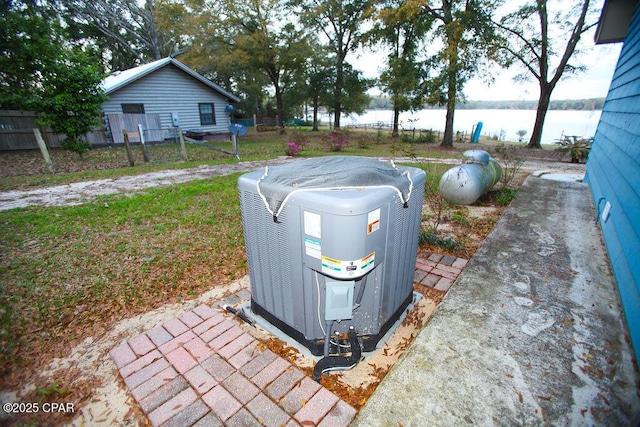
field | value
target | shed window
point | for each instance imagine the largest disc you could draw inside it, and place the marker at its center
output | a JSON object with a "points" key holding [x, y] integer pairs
{"points": [[132, 108], [207, 114]]}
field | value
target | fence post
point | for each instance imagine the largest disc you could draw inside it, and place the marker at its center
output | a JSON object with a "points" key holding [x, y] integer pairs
{"points": [[127, 147], [145, 153], [43, 149], [183, 148], [236, 148]]}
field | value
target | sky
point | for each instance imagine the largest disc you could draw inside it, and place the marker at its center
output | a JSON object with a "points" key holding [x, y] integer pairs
{"points": [[593, 83]]}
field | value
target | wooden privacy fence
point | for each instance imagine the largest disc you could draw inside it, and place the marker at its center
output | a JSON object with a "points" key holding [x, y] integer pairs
{"points": [[16, 132], [117, 123]]}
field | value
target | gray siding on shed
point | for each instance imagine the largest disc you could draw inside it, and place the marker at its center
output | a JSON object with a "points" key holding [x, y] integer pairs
{"points": [[168, 90], [613, 173]]}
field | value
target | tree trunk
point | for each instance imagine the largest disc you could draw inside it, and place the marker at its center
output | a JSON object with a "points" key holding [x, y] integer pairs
{"points": [[315, 113], [337, 103], [541, 113], [337, 94], [396, 118], [447, 139], [280, 110], [451, 71], [152, 30]]}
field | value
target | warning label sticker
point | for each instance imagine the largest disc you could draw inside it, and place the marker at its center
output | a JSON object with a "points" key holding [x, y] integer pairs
{"points": [[330, 265], [373, 221], [312, 225], [313, 248], [367, 262], [345, 269]]}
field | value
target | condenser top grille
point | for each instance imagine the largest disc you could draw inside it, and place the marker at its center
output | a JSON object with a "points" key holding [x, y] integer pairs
{"points": [[278, 183]]}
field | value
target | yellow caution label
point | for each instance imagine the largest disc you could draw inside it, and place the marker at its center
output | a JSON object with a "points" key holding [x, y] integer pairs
{"points": [[331, 260]]}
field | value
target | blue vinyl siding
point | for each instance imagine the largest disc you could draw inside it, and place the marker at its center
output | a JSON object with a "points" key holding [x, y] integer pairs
{"points": [[613, 173]]}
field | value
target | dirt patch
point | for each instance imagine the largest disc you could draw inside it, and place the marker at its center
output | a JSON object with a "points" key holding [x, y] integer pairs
{"points": [[85, 192]]}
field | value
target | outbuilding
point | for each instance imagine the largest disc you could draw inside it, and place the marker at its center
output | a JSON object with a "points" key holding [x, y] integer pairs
{"points": [[165, 94]]}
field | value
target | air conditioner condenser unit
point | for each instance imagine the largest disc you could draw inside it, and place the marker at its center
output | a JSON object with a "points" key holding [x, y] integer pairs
{"points": [[331, 245]]}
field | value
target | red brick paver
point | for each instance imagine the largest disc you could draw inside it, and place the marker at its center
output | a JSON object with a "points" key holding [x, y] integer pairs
{"points": [[141, 345], [122, 355], [202, 369]]}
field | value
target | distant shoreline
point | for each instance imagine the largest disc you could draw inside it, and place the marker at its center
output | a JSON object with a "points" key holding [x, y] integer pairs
{"points": [[499, 124], [589, 104]]}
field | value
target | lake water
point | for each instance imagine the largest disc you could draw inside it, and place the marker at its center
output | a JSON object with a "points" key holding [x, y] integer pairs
{"points": [[496, 123]]}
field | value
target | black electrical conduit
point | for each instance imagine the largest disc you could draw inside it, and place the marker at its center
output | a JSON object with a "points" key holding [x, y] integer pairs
{"points": [[327, 338], [363, 284], [329, 363]]}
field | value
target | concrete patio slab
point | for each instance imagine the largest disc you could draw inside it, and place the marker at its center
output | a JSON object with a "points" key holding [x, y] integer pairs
{"points": [[532, 332]]}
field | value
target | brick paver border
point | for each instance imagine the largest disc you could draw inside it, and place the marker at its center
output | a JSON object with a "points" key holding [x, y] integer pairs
{"points": [[201, 369]]}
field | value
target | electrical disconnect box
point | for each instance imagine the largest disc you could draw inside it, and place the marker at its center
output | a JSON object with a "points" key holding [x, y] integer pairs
{"points": [[332, 239]]}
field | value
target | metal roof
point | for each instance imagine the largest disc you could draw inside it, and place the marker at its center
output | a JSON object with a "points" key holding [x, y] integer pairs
{"points": [[119, 79]]}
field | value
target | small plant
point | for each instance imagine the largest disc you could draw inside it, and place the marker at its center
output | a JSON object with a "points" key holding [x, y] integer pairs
{"points": [[380, 136], [511, 162], [460, 216], [291, 149], [336, 140], [295, 145], [429, 136], [79, 146], [505, 196], [428, 237], [579, 150], [521, 133], [432, 195], [48, 391], [434, 199], [363, 142], [406, 138]]}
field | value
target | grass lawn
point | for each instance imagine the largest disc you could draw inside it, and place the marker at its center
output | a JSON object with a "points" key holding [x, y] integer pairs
{"points": [[24, 170], [68, 272]]}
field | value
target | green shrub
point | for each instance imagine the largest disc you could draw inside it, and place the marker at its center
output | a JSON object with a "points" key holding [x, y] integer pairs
{"points": [[505, 196], [336, 140], [79, 146], [427, 237]]}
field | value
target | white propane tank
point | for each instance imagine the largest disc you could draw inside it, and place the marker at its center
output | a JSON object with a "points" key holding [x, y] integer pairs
{"points": [[464, 184]]}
